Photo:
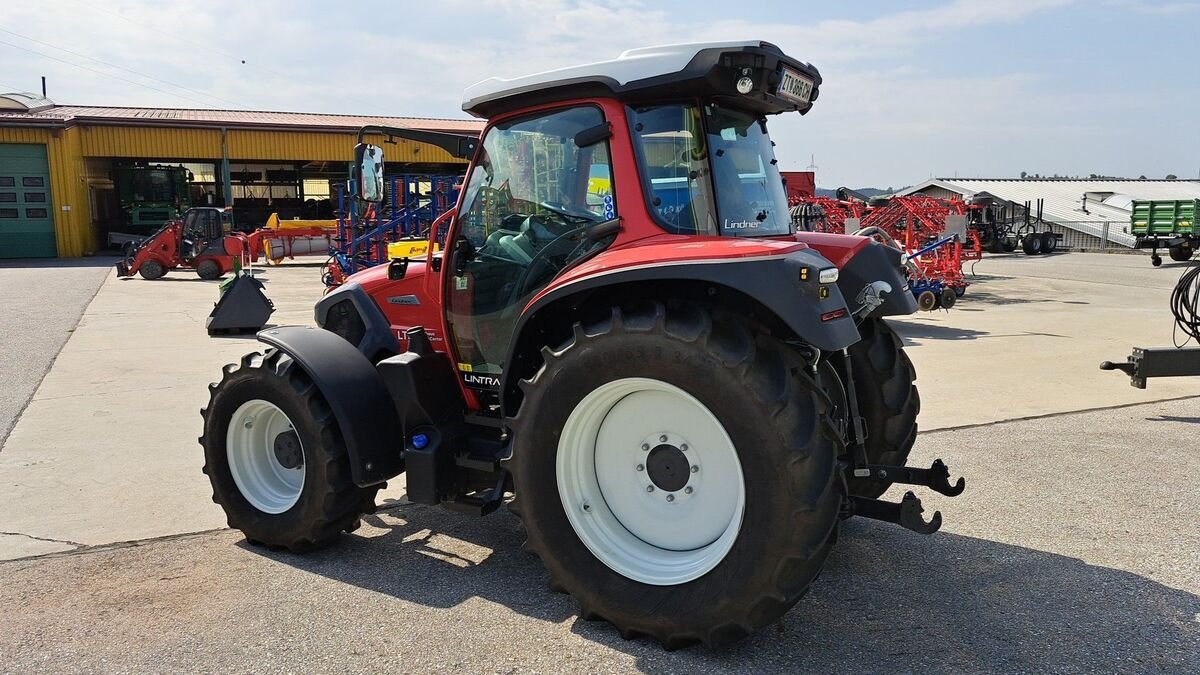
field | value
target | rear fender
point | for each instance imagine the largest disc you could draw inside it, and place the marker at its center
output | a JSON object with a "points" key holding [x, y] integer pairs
{"points": [[356, 394], [786, 285]]}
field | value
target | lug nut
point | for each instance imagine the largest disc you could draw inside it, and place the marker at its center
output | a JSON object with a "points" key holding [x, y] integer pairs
{"points": [[641, 467], [649, 488], [670, 498], [645, 446], [683, 447], [662, 439], [689, 490], [695, 469]]}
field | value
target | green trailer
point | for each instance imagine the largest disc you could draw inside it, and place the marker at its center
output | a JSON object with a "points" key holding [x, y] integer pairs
{"points": [[1166, 223]]}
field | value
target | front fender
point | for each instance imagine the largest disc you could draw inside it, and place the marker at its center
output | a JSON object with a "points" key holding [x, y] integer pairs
{"points": [[878, 262], [355, 393]]}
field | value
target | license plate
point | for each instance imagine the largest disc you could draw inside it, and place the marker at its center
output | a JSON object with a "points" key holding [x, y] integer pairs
{"points": [[794, 86]]}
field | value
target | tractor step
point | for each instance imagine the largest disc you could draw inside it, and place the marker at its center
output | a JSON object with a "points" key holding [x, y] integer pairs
{"points": [[936, 477], [481, 502], [906, 514]]}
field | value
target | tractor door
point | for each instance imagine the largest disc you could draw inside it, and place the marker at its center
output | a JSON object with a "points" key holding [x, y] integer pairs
{"points": [[537, 184], [201, 228]]}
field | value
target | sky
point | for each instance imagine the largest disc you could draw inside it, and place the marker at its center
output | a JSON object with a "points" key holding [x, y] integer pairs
{"points": [[965, 88]]}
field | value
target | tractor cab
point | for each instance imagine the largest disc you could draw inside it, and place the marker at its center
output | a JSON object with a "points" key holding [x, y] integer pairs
{"points": [[575, 162], [202, 228]]}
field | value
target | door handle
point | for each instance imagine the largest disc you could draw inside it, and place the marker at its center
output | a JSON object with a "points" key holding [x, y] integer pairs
{"points": [[464, 252]]}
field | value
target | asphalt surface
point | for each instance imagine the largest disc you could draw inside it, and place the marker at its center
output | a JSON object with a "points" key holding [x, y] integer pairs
{"points": [[1076, 547], [1073, 550], [40, 306]]}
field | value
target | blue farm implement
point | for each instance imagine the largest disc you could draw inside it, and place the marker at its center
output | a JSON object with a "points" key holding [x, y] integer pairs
{"points": [[411, 206]]}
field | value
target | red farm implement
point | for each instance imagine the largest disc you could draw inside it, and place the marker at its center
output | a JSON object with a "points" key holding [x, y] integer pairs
{"points": [[932, 232]]}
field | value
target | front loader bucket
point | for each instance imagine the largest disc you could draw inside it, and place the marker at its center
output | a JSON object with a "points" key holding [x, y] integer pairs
{"points": [[243, 307], [123, 269]]}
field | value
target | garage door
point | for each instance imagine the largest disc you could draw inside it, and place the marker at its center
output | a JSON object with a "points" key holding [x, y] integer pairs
{"points": [[26, 218]]}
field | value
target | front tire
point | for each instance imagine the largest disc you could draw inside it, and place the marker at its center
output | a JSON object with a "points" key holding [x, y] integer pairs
{"points": [[208, 270], [151, 270], [885, 381], [704, 551], [275, 457]]}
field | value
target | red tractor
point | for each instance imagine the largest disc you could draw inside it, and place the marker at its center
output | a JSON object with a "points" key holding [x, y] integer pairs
{"points": [[201, 240], [619, 328]]}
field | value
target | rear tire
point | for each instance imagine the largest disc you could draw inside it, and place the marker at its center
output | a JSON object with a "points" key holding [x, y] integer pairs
{"points": [[948, 298], [1181, 253], [1031, 243], [151, 270], [208, 270], [255, 478], [885, 381], [1049, 242], [770, 433]]}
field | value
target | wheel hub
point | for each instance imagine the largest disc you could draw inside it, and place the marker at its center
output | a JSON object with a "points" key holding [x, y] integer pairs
{"points": [[668, 468], [645, 500], [287, 450], [266, 456]]}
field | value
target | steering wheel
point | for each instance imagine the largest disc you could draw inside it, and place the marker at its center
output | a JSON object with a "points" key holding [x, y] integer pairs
{"points": [[571, 215], [539, 258]]}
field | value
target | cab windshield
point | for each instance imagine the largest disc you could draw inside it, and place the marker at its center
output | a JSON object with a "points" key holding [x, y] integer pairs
{"points": [[710, 170]]}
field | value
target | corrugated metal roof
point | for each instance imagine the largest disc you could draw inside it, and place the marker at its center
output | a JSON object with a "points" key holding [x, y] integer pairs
{"points": [[1063, 198], [69, 115]]}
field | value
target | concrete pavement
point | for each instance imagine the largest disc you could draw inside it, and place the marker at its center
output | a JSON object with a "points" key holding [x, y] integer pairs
{"points": [[41, 303]]}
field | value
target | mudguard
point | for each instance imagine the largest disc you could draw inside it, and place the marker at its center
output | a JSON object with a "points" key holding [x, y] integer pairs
{"points": [[355, 392], [787, 284], [376, 341], [878, 262]]}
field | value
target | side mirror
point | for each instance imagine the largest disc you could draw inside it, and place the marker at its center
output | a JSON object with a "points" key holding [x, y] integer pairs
{"points": [[368, 163]]}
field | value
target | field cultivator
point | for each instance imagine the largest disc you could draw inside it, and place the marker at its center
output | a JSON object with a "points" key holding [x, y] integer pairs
{"points": [[826, 214], [933, 234]]}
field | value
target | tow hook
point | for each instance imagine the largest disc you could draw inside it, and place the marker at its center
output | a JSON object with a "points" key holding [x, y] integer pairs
{"points": [[906, 514], [936, 477]]}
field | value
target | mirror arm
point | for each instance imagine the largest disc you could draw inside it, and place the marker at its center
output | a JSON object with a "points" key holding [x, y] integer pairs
{"points": [[458, 145]]}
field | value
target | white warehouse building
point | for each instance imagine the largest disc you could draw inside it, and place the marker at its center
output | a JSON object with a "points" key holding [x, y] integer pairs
{"points": [[1086, 213]]}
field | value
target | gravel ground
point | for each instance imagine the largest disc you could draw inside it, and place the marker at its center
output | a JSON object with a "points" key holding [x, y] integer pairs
{"points": [[1075, 549], [40, 306]]}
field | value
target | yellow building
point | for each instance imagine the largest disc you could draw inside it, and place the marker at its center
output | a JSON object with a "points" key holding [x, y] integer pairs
{"points": [[75, 179]]}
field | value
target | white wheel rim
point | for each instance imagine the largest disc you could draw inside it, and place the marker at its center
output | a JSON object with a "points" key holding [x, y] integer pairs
{"points": [[263, 480], [631, 511]]}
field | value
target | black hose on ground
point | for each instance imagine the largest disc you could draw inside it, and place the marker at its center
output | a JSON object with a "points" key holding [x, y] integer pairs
{"points": [[1185, 306]]}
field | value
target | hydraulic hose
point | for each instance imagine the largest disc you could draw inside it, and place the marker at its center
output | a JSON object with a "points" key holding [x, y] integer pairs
{"points": [[1185, 306]]}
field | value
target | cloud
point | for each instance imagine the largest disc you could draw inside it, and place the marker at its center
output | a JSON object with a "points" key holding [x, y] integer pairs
{"points": [[893, 107]]}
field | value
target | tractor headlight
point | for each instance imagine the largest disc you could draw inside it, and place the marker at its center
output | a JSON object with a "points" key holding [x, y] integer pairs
{"points": [[828, 275]]}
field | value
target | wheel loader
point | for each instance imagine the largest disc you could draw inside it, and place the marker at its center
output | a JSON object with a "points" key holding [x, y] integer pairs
{"points": [[619, 336], [200, 240]]}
